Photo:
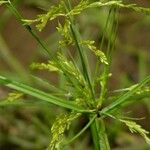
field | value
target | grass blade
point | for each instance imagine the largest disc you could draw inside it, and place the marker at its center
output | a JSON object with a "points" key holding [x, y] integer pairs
{"points": [[122, 99], [40, 94]]}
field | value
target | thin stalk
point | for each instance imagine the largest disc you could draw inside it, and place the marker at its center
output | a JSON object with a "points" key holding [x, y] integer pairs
{"points": [[19, 17], [80, 50], [82, 131], [105, 29], [103, 140], [94, 125], [110, 48], [102, 42], [7, 14], [86, 74]]}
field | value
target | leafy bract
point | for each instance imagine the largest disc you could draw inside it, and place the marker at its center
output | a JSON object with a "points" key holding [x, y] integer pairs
{"points": [[39, 94], [122, 99]]}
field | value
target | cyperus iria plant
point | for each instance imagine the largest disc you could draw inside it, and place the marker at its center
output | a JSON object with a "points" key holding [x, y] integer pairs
{"points": [[80, 95]]}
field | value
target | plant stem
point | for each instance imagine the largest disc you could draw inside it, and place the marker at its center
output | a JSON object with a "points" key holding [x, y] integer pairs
{"points": [[77, 38], [95, 134], [104, 143], [28, 28], [94, 125]]}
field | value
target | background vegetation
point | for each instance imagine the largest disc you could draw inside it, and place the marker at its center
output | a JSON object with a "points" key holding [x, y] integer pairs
{"points": [[28, 126]]}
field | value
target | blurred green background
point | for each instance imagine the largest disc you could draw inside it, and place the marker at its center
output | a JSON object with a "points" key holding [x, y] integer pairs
{"points": [[28, 127]]}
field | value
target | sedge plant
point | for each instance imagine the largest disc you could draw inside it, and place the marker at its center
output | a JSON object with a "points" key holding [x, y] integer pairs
{"points": [[78, 94]]}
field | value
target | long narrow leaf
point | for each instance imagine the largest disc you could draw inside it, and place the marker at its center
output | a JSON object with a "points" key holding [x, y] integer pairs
{"points": [[82, 131], [40, 94], [122, 99]]}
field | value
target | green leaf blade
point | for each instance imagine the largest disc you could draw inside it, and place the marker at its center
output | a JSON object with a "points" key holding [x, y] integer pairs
{"points": [[122, 99], [40, 94]]}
